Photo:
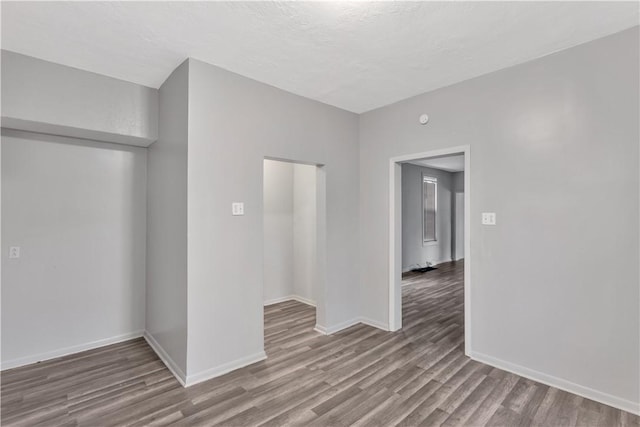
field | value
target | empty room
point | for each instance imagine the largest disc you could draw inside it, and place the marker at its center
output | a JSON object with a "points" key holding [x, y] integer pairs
{"points": [[320, 213]]}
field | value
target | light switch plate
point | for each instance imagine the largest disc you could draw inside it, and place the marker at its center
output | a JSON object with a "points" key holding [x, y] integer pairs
{"points": [[488, 218], [14, 252], [237, 208]]}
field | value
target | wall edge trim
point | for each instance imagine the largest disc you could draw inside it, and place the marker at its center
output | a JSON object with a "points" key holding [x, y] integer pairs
{"points": [[224, 368], [290, 298], [165, 358], [344, 325], [66, 351], [559, 383]]}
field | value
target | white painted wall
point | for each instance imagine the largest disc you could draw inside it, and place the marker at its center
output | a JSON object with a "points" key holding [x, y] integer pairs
{"points": [[77, 209], [234, 123], [304, 232], [416, 252], [564, 131], [278, 231], [44, 97], [458, 215], [166, 262]]}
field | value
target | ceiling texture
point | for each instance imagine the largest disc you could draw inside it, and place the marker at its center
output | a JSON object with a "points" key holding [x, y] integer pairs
{"points": [[354, 55], [445, 163]]}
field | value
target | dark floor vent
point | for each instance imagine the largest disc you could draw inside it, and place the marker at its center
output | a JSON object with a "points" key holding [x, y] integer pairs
{"points": [[423, 269]]}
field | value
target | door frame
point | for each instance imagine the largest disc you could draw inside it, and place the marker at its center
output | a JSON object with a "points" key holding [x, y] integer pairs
{"points": [[395, 235]]}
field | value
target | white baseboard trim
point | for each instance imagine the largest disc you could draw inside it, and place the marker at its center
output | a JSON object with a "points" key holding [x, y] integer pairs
{"points": [[375, 323], [320, 329], [344, 325], [27, 360], [290, 298], [324, 330], [303, 300], [589, 393], [224, 368], [166, 359], [278, 300]]}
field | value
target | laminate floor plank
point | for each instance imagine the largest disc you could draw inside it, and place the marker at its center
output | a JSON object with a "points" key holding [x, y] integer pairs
{"points": [[361, 376]]}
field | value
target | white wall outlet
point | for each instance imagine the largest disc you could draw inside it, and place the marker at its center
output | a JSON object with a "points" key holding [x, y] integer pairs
{"points": [[488, 218], [14, 252], [237, 208]]}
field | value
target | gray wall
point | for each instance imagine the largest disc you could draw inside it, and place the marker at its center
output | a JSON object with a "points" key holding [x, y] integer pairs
{"points": [[95, 192], [167, 223], [278, 230], [45, 97], [415, 252], [234, 122], [77, 209], [304, 232], [457, 252], [554, 152]]}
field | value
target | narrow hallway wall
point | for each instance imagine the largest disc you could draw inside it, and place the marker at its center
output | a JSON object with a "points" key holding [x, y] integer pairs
{"points": [[278, 231]]}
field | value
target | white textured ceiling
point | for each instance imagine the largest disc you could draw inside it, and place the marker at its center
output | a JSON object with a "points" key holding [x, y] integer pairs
{"points": [[354, 55], [447, 163]]}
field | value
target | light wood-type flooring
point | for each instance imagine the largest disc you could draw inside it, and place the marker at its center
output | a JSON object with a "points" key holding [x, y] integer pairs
{"points": [[360, 376]]}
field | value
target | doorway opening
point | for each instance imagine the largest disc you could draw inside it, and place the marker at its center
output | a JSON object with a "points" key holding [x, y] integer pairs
{"points": [[429, 230], [294, 255]]}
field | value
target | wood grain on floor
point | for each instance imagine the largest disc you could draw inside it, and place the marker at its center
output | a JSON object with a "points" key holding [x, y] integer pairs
{"points": [[361, 376]]}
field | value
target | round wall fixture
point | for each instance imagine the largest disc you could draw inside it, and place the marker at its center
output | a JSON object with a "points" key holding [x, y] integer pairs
{"points": [[424, 119]]}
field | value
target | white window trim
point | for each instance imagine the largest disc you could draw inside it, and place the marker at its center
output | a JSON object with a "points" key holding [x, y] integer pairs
{"points": [[434, 180]]}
